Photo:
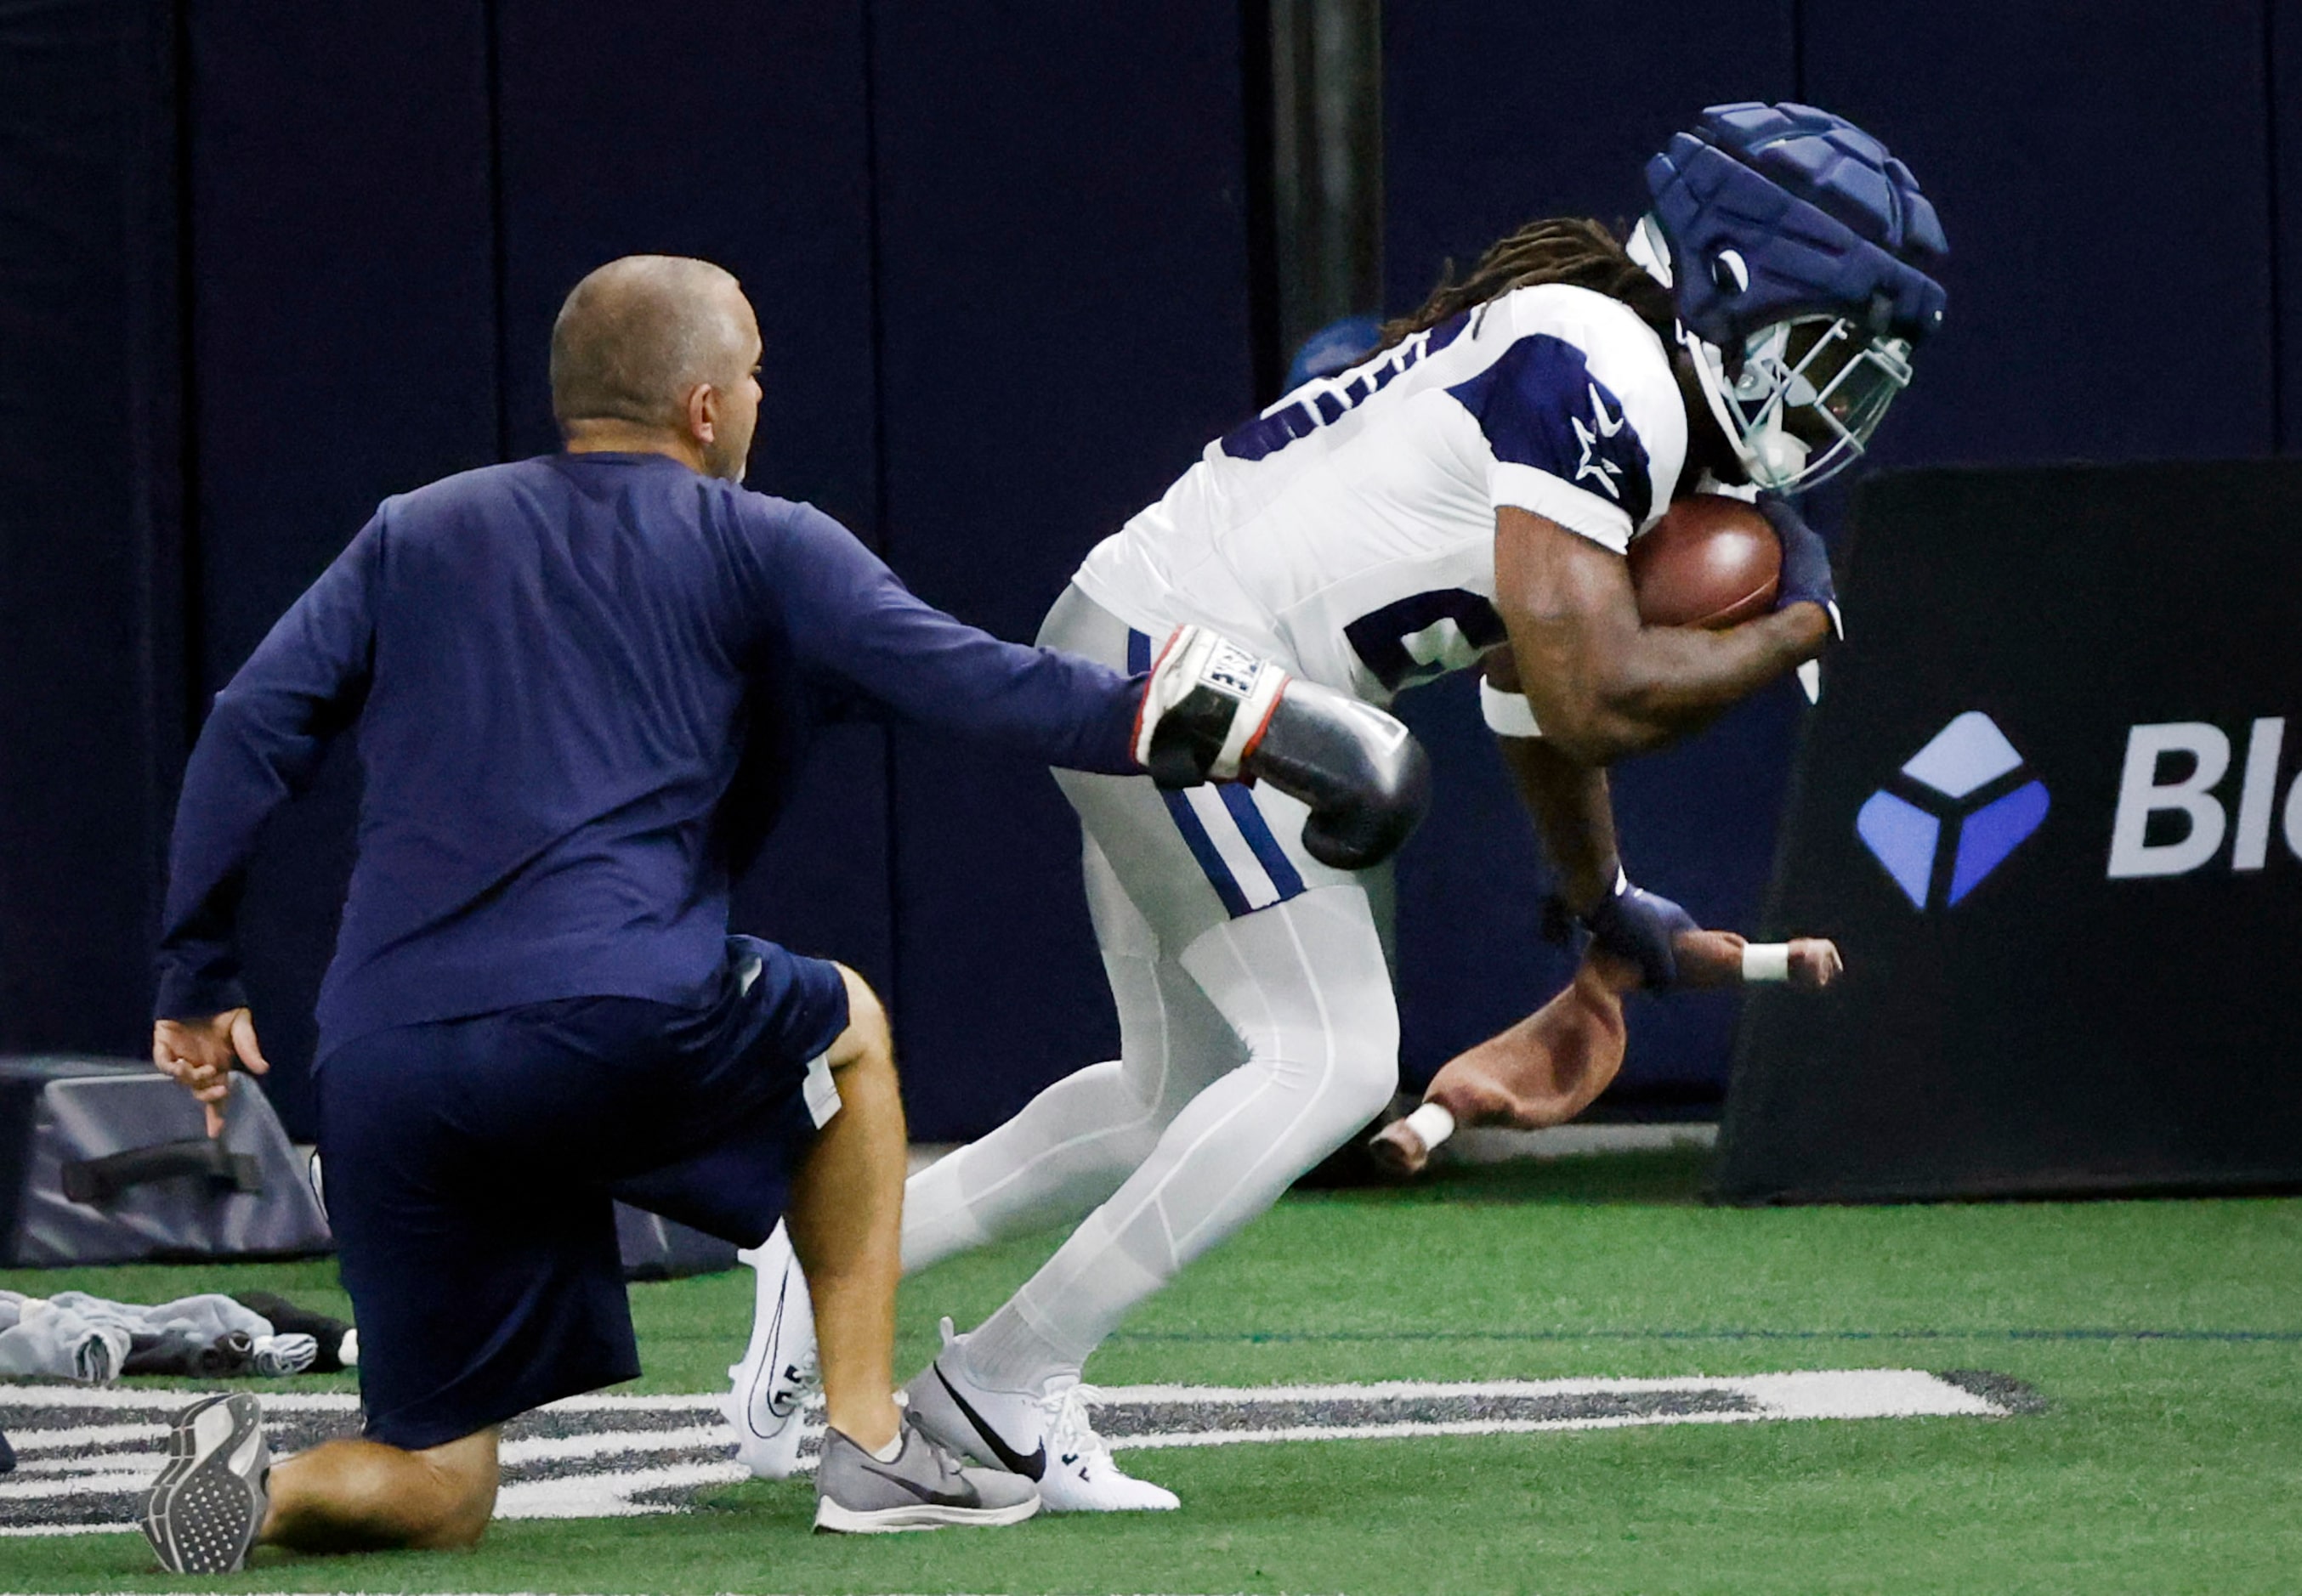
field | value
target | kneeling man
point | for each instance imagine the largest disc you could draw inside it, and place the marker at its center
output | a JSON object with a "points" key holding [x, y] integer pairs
{"points": [[582, 686]]}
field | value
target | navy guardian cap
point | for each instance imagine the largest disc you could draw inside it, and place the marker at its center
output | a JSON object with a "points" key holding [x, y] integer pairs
{"points": [[1800, 259]]}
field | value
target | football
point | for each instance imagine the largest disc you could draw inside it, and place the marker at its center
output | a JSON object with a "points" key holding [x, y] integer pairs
{"points": [[1711, 561]]}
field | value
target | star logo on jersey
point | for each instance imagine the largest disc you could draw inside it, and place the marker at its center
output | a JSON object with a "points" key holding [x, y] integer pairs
{"points": [[1608, 473]]}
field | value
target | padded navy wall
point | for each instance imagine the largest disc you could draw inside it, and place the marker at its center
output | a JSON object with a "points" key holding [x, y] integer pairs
{"points": [[343, 350], [1064, 292], [2283, 91], [2105, 184], [1496, 115], [91, 691], [1002, 267]]}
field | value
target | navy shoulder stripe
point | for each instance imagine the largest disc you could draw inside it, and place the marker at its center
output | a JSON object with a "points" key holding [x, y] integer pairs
{"points": [[1539, 406], [1268, 434]]}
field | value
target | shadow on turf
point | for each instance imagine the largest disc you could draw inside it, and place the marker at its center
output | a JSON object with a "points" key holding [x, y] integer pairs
{"points": [[1669, 1177]]}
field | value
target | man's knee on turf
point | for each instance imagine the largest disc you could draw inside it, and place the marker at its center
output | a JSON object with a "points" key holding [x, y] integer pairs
{"points": [[357, 1495], [466, 1474]]}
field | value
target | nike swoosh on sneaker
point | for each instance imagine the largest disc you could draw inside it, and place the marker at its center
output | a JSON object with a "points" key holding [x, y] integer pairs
{"points": [[937, 1495], [1014, 1462]]}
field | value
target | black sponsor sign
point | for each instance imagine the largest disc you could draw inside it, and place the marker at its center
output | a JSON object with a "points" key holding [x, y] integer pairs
{"points": [[2051, 808]]}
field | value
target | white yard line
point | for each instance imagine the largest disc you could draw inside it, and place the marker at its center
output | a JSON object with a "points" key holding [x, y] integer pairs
{"points": [[60, 1395], [120, 1458], [1814, 1393], [609, 1495], [1827, 1386], [602, 1443], [1415, 1431]]}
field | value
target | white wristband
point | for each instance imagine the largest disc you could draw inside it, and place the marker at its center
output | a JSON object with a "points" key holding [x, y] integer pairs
{"points": [[1766, 960], [1507, 714]]}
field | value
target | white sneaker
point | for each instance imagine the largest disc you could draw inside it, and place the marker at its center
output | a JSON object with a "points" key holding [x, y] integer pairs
{"points": [[779, 1373], [204, 1510], [1041, 1435], [922, 1487]]}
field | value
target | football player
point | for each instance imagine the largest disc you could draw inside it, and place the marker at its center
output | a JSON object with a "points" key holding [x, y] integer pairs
{"points": [[1464, 493]]}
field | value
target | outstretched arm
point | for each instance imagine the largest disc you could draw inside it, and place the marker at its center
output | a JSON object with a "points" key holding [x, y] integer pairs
{"points": [[1206, 711], [1603, 684], [849, 617]]}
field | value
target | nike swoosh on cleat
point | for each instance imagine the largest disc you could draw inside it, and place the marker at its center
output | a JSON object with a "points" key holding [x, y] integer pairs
{"points": [[1032, 1467], [780, 1403]]}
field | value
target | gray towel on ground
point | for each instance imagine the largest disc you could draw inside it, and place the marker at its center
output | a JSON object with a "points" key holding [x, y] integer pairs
{"points": [[74, 1336]]}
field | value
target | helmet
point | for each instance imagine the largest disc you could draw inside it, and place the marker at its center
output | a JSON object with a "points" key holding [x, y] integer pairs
{"points": [[1800, 255]]}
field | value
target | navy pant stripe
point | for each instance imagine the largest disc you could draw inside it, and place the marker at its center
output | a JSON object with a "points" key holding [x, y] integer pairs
{"points": [[1203, 849], [1257, 832], [1187, 820]]}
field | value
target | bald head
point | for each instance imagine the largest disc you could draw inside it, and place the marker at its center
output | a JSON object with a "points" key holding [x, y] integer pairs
{"points": [[636, 337]]}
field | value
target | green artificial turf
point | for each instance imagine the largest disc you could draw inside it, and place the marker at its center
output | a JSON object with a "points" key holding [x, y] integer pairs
{"points": [[2165, 1338]]}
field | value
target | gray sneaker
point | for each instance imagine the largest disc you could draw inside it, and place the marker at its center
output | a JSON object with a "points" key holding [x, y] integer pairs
{"points": [[923, 1489], [204, 1510]]}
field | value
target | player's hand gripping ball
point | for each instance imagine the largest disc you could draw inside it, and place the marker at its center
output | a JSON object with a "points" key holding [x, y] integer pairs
{"points": [[1711, 561]]}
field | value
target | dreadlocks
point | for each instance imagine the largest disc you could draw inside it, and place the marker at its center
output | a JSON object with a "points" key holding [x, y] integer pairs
{"points": [[1572, 249]]}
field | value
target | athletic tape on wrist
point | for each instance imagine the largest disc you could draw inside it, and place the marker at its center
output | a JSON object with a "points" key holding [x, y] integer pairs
{"points": [[1766, 960], [1433, 1123], [1507, 714]]}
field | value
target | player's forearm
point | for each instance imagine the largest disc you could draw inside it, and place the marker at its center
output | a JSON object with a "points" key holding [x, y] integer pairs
{"points": [[1574, 813], [1652, 686]]}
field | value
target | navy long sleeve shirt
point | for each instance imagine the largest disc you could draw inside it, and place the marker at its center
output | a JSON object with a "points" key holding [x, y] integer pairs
{"points": [[582, 685]]}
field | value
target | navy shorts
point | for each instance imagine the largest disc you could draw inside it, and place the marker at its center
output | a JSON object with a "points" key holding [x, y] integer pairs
{"points": [[473, 1164]]}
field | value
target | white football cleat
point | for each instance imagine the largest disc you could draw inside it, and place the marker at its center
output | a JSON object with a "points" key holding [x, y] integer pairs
{"points": [[1043, 1436], [779, 1375], [1081, 1477]]}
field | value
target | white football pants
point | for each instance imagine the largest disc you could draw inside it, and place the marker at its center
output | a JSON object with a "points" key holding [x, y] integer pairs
{"points": [[1257, 1031]]}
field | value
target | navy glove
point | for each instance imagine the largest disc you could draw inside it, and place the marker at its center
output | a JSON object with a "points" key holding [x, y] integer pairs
{"points": [[1631, 923], [1806, 562]]}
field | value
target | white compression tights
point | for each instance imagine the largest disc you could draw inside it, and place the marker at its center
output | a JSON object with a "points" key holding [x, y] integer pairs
{"points": [[1243, 1063]]}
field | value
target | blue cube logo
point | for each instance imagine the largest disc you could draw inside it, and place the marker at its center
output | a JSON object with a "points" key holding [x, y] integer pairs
{"points": [[1963, 803]]}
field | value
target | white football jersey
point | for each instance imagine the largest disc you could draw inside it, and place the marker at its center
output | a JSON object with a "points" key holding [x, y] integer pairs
{"points": [[1350, 530]]}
